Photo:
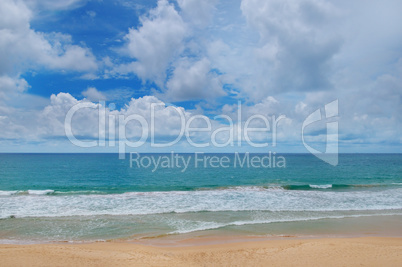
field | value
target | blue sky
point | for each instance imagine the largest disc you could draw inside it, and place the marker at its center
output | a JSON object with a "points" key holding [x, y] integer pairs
{"points": [[204, 58]]}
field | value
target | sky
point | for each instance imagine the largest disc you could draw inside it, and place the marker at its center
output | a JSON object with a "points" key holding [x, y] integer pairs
{"points": [[207, 62]]}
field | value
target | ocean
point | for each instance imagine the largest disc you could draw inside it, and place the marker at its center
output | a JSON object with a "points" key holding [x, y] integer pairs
{"points": [[94, 197]]}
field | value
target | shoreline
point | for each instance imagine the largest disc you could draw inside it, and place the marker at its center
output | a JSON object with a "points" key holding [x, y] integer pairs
{"points": [[346, 227], [192, 240], [347, 251]]}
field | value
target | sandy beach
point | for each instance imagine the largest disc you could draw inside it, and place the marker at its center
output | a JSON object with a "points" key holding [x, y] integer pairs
{"points": [[362, 251]]}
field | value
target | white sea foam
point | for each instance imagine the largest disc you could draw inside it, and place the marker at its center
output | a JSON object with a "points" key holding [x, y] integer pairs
{"points": [[27, 192], [189, 227], [40, 204], [40, 192], [324, 186], [7, 193], [79, 192]]}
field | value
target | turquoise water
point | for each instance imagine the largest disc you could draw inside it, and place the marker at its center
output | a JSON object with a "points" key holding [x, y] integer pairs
{"points": [[58, 197]]}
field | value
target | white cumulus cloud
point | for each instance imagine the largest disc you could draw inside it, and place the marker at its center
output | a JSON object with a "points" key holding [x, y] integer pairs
{"points": [[22, 48]]}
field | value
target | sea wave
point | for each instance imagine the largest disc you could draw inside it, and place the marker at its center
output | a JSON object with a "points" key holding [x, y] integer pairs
{"points": [[40, 192], [203, 225], [41, 204], [27, 192], [323, 186], [270, 187], [336, 187], [49, 192], [7, 193]]}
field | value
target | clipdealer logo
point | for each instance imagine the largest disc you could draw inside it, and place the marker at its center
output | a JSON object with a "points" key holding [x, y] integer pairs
{"points": [[238, 134]]}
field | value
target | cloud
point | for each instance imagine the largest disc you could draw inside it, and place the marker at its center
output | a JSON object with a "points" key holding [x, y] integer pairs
{"points": [[120, 96], [164, 55], [22, 48], [93, 95], [276, 57], [164, 120], [48, 123], [193, 80], [155, 43], [9, 85], [294, 51], [198, 13]]}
